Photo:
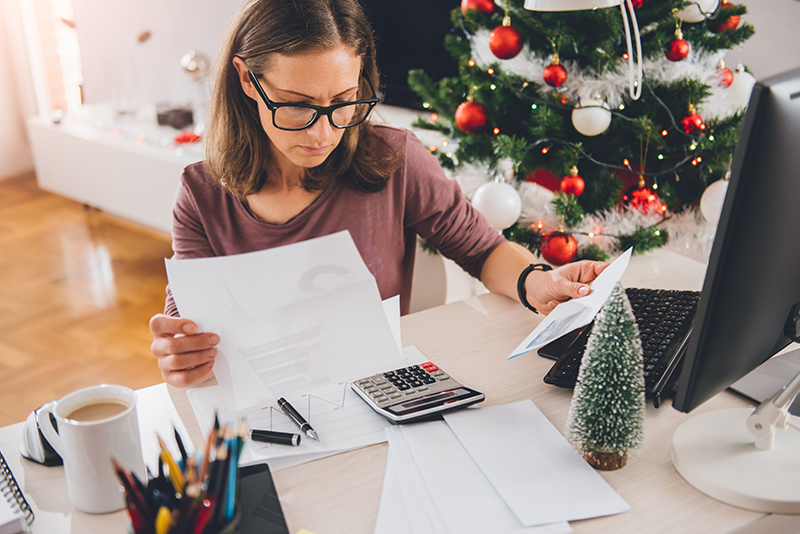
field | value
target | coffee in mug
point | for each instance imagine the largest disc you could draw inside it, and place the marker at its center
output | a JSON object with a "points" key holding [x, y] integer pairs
{"points": [[95, 426], [95, 411]]}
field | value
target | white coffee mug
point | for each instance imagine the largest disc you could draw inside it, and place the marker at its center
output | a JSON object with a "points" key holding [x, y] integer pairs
{"points": [[95, 426]]}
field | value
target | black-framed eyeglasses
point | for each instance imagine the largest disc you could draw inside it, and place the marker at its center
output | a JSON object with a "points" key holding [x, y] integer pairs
{"points": [[294, 117]]}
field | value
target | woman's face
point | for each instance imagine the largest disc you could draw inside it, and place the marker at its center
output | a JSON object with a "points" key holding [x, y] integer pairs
{"points": [[317, 78]]}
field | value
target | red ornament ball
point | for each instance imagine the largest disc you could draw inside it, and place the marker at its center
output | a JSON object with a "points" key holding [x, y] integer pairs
{"points": [[484, 6], [725, 77], [505, 42], [677, 50], [726, 23], [692, 122], [555, 74], [573, 184], [641, 197], [559, 248], [471, 117]]}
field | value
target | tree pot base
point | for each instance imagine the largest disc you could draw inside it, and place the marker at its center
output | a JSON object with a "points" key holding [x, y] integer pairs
{"points": [[606, 461]]}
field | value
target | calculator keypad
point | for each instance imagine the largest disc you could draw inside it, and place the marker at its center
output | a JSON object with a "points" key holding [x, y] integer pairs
{"points": [[394, 386]]}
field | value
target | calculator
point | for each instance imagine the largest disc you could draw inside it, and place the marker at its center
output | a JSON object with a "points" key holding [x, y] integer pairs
{"points": [[413, 393]]}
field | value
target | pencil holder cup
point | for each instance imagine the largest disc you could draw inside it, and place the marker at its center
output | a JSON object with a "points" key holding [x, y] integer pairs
{"points": [[231, 528]]}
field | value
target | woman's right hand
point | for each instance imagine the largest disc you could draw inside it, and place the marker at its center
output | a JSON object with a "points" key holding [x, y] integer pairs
{"points": [[184, 357]]}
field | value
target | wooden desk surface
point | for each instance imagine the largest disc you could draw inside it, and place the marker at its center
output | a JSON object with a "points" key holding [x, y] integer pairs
{"points": [[471, 340]]}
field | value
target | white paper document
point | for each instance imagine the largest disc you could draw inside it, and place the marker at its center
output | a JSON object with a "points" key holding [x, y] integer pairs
{"points": [[405, 494], [535, 470], [289, 319], [392, 517], [577, 312], [159, 418], [341, 418], [457, 497]]}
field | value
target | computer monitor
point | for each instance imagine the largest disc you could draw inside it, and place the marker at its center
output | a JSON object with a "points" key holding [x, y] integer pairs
{"points": [[751, 286], [753, 276]]}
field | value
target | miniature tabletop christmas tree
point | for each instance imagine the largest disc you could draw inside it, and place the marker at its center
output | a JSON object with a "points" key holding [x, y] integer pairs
{"points": [[606, 417]]}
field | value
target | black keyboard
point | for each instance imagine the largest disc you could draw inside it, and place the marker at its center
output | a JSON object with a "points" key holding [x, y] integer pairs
{"points": [[664, 318]]}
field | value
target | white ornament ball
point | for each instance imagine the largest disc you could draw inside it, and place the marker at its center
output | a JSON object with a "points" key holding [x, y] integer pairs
{"points": [[712, 200], [698, 11], [738, 92], [591, 117], [499, 202]]}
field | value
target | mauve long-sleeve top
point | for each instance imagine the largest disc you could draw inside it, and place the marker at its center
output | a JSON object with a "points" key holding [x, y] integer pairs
{"points": [[418, 200]]}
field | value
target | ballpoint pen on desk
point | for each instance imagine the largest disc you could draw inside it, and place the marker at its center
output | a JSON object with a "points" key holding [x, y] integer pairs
{"points": [[295, 416]]}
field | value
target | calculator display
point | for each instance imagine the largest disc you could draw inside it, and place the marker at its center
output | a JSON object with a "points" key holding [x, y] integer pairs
{"points": [[415, 392], [439, 399]]}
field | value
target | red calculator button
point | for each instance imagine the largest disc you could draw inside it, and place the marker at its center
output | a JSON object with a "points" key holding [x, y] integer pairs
{"points": [[427, 365], [432, 368]]}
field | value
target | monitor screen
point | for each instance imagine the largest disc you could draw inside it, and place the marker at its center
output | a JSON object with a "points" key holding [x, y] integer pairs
{"points": [[753, 276]]}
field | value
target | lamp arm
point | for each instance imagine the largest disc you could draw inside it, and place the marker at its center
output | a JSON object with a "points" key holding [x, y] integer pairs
{"points": [[634, 72], [774, 414]]}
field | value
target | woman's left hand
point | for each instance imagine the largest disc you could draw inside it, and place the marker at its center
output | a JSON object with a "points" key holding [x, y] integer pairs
{"points": [[547, 289]]}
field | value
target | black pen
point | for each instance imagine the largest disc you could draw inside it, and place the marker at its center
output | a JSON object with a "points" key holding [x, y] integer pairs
{"points": [[295, 416], [282, 438]]}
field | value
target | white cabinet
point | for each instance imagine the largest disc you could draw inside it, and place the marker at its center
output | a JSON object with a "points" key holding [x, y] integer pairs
{"points": [[127, 169]]}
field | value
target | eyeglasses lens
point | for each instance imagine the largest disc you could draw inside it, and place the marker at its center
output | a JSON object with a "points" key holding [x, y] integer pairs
{"points": [[295, 117]]}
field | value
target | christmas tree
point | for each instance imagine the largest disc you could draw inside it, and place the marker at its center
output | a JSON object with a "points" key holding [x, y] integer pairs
{"points": [[606, 416], [546, 98]]}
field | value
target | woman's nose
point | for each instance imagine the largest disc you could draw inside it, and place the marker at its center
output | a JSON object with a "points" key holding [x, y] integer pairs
{"points": [[321, 129]]}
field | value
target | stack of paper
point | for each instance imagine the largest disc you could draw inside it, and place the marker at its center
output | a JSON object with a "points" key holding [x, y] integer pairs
{"points": [[492, 469], [299, 322]]}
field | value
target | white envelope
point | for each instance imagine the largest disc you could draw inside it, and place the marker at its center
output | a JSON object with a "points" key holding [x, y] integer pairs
{"points": [[578, 312]]}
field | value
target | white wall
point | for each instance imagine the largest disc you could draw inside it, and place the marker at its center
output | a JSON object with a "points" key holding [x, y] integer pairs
{"points": [[117, 66], [775, 48], [15, 151]]}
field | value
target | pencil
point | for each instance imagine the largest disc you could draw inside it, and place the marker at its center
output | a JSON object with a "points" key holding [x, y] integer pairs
{"points": [[230, 494], [137, 507], [181, 448], [175, 474], [217, 482], [212, 437], [163, 520]]}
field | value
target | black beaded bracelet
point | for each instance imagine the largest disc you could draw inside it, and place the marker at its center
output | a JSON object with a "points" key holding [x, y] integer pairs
{"points": [[521, 282]]}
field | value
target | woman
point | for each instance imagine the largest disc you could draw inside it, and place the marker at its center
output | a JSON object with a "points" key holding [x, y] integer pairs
{"points": [[291, 156]]}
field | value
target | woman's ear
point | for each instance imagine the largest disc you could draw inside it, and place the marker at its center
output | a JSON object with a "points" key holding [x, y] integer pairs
{"points": [[244, 78]]}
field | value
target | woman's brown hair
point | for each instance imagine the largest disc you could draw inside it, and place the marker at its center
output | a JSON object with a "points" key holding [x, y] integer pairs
{"points": [[237, 149]]}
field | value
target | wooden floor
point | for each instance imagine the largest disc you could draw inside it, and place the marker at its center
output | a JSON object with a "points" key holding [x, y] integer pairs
{"points": [[77, 288]]}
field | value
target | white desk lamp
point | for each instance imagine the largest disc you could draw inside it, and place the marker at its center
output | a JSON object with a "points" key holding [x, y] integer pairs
{"points": [[634, 71]]}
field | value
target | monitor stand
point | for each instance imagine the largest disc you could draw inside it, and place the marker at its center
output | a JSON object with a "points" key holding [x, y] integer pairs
{"points": [[762, 382], [744, 457]]}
